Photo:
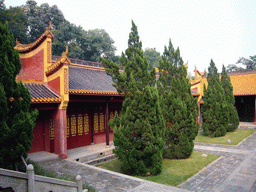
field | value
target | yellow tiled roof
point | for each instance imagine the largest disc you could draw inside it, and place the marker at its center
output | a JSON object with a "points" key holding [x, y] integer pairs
{"points": [[244, 84]]}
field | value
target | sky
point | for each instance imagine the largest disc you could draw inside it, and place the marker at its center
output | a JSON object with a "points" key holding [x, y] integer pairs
{"points": [[222, 30]]}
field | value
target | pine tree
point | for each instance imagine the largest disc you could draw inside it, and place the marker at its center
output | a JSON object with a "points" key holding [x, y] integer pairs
{"points": [[214, 111], [230, 99], [16, 121], [179, 108], [138, 134]]}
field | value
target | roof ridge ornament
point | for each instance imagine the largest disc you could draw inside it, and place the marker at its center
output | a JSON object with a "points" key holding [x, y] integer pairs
{"points": [[65, 54], [49, 27]]}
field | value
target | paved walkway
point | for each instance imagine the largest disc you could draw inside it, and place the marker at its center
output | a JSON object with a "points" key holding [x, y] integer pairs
{"points": [[234, 171]]}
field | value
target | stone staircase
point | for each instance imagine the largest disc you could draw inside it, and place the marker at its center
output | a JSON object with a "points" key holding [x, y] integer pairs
{"points": [[247, 125], [93, 154]]}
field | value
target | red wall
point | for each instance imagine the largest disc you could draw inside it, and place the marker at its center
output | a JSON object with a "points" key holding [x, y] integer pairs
{"points": [[38, 142], [101, 138], [55, 85], [33, 67]]}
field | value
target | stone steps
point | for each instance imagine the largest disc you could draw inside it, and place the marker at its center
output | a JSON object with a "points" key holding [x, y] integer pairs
{"points": [[101, 159]]}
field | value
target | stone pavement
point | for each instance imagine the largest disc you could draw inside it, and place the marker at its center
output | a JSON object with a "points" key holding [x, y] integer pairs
{"points": [[234, 171]]}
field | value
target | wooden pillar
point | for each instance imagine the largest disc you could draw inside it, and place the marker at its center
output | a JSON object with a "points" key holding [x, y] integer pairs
{"points": [[107, 127], [60, 138]]}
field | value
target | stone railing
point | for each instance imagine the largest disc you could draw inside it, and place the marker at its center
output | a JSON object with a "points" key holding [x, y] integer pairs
{"points": [[30, 182]]}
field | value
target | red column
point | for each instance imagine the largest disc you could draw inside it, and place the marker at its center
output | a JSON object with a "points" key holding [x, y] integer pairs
{"points": [[107, 127], [60, 139]]}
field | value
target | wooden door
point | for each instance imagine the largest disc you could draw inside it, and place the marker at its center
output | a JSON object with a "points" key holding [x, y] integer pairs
{"points": [[78, 130]]}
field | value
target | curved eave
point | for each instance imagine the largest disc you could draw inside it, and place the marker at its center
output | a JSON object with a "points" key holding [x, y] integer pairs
{"points": [[89, 92], [45, 100], [56, 65], [196, 94], [195, 82], [24, 48]]}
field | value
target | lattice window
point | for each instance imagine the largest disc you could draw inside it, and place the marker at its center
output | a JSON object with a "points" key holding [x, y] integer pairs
{"points": [[102, 117], [86, 124], [51, 129], [96, 123], [80, 124], [67, 126], [73, 125]]}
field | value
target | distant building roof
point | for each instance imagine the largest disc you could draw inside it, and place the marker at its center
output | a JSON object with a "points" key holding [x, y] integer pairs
{"points": [[243, 83]]}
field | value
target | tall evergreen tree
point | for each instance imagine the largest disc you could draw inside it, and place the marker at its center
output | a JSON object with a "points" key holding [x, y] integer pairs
{"points": [[179, 108], [16, 121], [233, 119], [214, 111], [138, 134]]}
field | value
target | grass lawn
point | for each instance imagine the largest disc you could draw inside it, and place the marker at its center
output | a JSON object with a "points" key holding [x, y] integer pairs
{"points": [[174, 172], [235, 137]]}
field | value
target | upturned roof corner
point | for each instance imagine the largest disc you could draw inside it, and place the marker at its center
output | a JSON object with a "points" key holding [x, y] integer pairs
{"points": [[23, 48]]}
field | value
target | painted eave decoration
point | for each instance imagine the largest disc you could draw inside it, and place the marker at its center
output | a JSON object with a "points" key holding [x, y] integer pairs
{"points": [[88, 92]]}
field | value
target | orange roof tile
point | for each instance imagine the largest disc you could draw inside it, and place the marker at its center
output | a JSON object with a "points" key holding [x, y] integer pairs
{"points": [[244, 84]]}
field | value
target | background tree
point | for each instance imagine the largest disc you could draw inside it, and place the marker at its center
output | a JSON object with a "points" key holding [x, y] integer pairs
{"points": [[153, 57], [96, 43], [214, 111], [68, 34], [233, 119], [138, 135], [17, 21], [179, 108], [16, 121], [39, 17], [2, 12], [249, 64]]}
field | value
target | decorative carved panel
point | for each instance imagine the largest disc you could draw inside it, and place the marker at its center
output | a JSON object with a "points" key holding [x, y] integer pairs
{"points": [[65, 81], [49, 52], [80, 124], [51, 129], [102, 122], [96, 123], [86, 124], [73, 125]]}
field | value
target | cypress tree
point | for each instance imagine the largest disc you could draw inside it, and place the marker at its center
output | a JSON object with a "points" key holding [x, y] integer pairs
{"points": [[233, 119], [179, 108], [16, 121], [214, 111], [138, 134]]}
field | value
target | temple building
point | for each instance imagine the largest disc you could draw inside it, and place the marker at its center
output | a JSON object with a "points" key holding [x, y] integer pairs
{"points": [[244, 90], [75, 98]]}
